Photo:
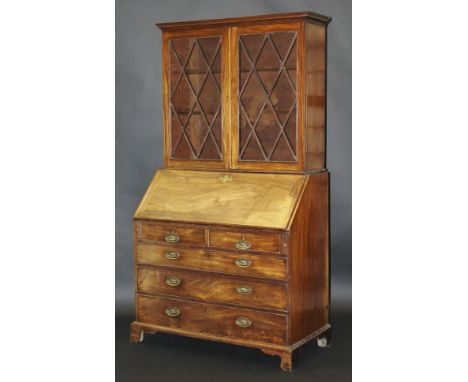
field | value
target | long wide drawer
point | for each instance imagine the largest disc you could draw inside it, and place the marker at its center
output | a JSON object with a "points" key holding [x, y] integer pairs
{"points": [[244, 264], [212, 319], [209, 287]]}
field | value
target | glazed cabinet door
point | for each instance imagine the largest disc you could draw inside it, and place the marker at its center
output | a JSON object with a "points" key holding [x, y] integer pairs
{"points": [[266, 94], [195, 93]]}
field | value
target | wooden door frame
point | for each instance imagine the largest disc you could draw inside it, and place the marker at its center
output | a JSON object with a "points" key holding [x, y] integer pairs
{"points": [[170, 162], [300, 92]]}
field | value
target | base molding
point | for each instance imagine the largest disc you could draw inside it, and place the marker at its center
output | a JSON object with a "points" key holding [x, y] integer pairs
{"points": [[288, 354]]}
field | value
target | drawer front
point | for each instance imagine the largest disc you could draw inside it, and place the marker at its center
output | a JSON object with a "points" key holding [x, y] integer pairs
{"points": [[257, 265], [212, 319], [245, 241], [212, 288], [173, 235]]}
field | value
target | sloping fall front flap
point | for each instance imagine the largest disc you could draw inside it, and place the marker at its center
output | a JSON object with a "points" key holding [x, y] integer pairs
{"points": [[245, 199]]}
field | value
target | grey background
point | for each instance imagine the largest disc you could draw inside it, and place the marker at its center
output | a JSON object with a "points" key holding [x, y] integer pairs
{"points": [[139, 117]]}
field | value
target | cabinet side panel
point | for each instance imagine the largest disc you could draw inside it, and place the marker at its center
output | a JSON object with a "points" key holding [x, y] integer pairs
{"points": [[165, 99], [309, 261], [136, 231], [315, 74]]}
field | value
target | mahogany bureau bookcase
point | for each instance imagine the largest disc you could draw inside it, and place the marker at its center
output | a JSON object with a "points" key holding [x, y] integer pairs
{"points": [[231, 239]]}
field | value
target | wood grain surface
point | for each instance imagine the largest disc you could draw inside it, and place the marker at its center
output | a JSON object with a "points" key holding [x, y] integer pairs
{"points": [[158, 232], [212, 319], [311, 17], [309, 261], [258, 241], [215, 288], [265, 266], [257, 200], [315, 88]]}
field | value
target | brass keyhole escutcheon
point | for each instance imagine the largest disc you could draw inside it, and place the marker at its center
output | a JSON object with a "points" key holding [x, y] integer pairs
{"points": [[225, 178]]}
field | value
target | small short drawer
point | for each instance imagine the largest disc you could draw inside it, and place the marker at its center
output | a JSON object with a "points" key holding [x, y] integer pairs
{"points": [[245, 264], [212, 319], [212, 288], [171, 234], [245, 241]]}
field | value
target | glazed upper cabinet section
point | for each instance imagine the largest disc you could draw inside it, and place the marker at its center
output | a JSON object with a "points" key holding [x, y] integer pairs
{"points": [[194, 98], [265, 103], [247, 97]]}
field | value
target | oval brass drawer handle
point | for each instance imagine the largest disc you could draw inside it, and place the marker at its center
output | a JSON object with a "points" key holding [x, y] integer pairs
{"points": [[244, 289], [243, 244], [172, 255], [243, 263], [171, 238], [243, 322], [172, 281], [172, 312]]}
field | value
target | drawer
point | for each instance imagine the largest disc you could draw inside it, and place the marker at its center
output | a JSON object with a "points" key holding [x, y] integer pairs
{"points": [[171, 234], [209, 287], [254, 265], [212, 319], [245, 241]]}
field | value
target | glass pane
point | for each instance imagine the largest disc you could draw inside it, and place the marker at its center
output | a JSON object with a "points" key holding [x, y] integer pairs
{"points": [[267, 97], [195, 98]]}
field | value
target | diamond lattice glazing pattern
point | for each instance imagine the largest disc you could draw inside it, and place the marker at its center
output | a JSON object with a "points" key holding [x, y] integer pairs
{"points": [[267, 97], [195, 98]]}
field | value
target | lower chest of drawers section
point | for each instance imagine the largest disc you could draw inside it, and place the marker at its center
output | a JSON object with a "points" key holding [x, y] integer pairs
{"points": [[212, 281]]}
